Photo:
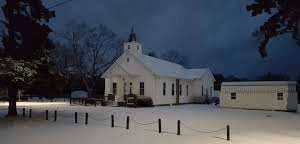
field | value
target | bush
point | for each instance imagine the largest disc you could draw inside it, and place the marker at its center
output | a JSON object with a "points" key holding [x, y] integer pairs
{"points": [[90, 101], [143, 101], [4, 98], [121, 104]]}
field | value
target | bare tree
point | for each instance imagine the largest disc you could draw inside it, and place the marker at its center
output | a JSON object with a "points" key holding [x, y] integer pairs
{"points": [[88, 51], [174, 56]]}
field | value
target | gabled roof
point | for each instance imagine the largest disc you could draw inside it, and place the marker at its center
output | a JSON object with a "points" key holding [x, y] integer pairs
{"points": [[259, 83], [168, 69]]}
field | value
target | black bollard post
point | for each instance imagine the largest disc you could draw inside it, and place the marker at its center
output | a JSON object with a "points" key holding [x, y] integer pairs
{"points": [[47, 114], [159, 125], [127, 122], [178, 127], [228, 132], [30, 111], [23, 112], [112, 121], [76, 117], [86, 118], [55, 115]]}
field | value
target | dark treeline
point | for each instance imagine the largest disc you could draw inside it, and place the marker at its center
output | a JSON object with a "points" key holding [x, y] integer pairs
{"points": [[266, 77]]}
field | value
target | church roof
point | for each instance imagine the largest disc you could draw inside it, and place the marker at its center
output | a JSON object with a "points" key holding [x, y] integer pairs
{"points": [[168, 69]]}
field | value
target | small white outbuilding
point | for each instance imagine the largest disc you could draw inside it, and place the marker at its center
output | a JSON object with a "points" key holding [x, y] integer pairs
{"points": [[265, 95]]}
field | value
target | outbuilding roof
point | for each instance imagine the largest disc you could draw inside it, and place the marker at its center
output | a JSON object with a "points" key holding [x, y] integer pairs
{"points": [[259, 83]]}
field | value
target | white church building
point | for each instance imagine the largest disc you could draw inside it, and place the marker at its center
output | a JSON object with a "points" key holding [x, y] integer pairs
{"points": [[165, 82]]}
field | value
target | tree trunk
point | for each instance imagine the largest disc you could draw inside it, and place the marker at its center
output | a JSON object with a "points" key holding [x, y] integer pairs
{"points": [[12, 107]]}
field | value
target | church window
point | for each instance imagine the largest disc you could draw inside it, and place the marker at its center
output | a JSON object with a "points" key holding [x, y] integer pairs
{"points": [[187, 90], [164, 88], [142, 88], [114, 88], [173, 89], [130, 88], [180, 89]]}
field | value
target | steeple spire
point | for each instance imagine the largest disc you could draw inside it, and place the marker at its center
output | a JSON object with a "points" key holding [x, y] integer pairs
{"points": [[132, 36]]}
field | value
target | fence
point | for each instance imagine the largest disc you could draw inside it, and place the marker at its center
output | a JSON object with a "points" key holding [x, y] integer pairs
{"points": [[111, 120]]}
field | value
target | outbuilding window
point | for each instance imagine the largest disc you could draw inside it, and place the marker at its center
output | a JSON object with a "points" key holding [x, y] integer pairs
{"points": [[233, 96], [142, 88], [164, 88], [280, 96]]}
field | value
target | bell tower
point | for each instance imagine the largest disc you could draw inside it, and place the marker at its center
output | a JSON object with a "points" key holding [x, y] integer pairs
{"points": [[132, 45]]}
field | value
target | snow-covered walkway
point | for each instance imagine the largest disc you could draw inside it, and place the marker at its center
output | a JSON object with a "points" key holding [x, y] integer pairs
{"points": [[200, 124]]}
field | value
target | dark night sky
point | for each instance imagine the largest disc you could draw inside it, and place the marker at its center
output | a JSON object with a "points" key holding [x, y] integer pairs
{"points": [[212, 33]]}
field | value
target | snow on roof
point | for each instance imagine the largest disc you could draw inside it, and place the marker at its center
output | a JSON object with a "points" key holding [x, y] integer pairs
{"points": [[259, 83], [168, 69]]}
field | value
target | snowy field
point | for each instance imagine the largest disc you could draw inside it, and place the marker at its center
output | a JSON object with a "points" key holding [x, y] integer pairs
{"points": [[201, 124]]}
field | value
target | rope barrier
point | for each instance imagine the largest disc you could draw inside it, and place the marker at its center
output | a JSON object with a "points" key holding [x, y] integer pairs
{"points": [[144, 123], [202, 130], [99, 120]]}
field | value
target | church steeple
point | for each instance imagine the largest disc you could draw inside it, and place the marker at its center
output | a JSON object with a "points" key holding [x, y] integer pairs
{"points": [[132, 36], [132, 45]]}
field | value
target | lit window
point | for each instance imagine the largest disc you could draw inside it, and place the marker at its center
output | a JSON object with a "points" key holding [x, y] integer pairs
{"points": [[142, 88], [233, 96], [280, 96], [164, 88]]}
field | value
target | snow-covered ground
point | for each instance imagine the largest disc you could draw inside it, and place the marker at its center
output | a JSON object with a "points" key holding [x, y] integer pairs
{"points": [[247, 126]]}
